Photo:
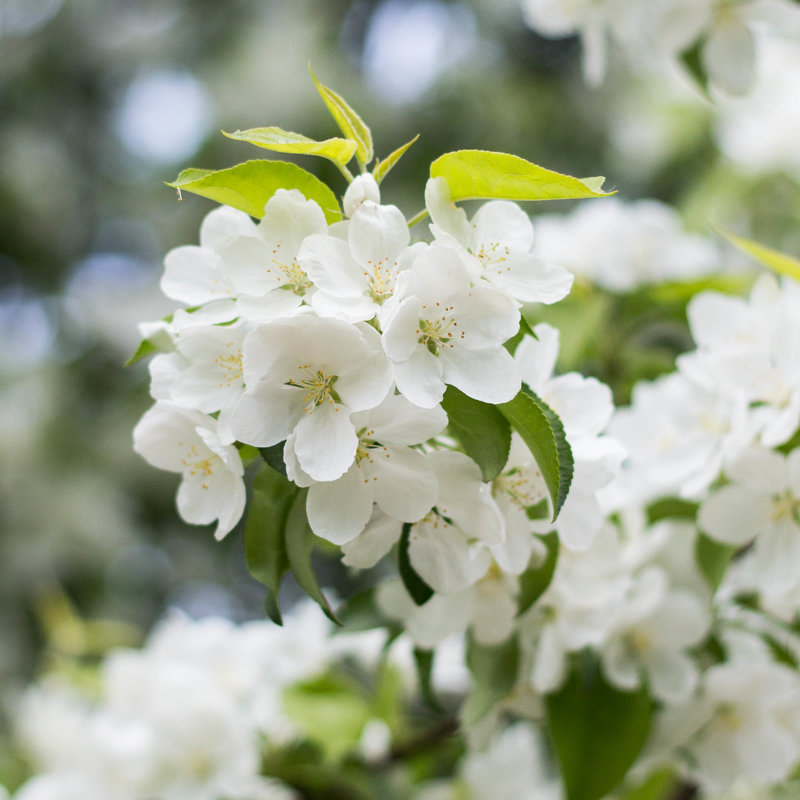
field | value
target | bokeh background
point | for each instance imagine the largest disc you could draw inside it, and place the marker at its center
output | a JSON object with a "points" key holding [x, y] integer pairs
{"points": [[102, 101]]}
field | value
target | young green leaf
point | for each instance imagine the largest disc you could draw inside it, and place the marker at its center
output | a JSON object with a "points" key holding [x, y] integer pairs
{"points": [[535, 580], [352, 126], [474, 174], [340, 151], [712, 558], [542, 431], [779, 262], [494, 672], [146, 348], [382, 167], [264, 533], [249, 185], [481, 429], [423, 659], [273, 455], [598, 731], [299, 545], [419, 590]]}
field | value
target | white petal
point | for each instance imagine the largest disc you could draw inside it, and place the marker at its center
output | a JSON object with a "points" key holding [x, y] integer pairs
{"points": [[373, 543], [729, 57], [265, 414], [377, 233], [325, 442], [419, 378], [288, 219], [441, 556], [397, 421], [223, 223], [444, 213], [331, 266], [733, 516], [404, 482], [338, 510], [489, 375], [192, 276], [503, 223]]}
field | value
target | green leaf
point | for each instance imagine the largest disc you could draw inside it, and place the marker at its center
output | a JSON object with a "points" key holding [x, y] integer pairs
{"points": [[419, 590], [273, 455], [340, 151], [249, 185], [474, 174], [423, 659], [481, 429], [598, 731], [778, 262], [264, 542], [660, 785], [692, 61], [542, 431], [352, 126], [299, 546], [535, 580], [494, 674], [382, 167], [712, 558], [330, 710], [671, 508], [146, 348]]}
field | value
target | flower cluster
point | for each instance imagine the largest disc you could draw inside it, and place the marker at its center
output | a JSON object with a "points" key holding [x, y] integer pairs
{"points": [[336, 342], [724, 33], [190, 715], [592, 567]]}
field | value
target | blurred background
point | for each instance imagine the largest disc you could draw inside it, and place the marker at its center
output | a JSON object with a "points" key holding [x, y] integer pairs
{"points": [[102, 101]]}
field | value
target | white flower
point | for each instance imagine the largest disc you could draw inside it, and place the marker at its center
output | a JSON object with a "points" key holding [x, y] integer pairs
{"points": [[263, 264], [306, 375], [650, 632], [448, 547], [747, 717], [499, 237], [197, 275], [205, 374], [761, 503], [357, 274], [443, 326], [185, 441], [363, 187], [386, 471], [621, 246]]}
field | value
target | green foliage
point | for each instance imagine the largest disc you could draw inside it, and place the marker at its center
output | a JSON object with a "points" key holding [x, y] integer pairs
{"points": [[598, 731], [535, 580], [712, 558], [299, 546], [248, 186], [494, 673], [352, 126], [331, 711], [472, 174], [419, 590], [481, 429], [277, 537], [778, 262], [382, 167], [146, 348], [264, 540], [542, 431], [671, 508], [660, 785], [340, 151], [423, 659], [692, 61]]}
